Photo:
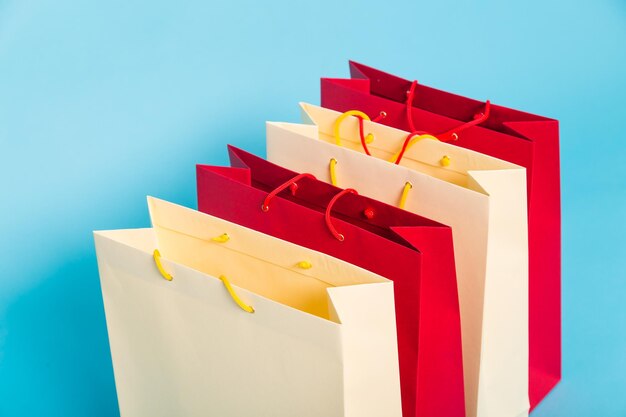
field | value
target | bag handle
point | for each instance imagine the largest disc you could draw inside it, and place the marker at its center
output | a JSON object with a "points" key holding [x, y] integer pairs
{"points": [[339, 236], [265, 207], [405, 194], [365, 139], [369, 138], [411, 139], [452, 134], [223, 238], [409, 105], [405, 190], [292, 184], [245, 307]]}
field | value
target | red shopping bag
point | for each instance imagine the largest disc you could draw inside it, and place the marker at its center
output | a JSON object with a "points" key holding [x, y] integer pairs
{"points": [[522, 138], [414, 252]]}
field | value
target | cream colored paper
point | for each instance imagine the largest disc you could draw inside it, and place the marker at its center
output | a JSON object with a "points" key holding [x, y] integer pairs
{"points": [[482, 198], [322, 341]]}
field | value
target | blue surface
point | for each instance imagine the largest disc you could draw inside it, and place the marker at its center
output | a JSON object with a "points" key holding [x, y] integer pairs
{"points": [[102, 103]]}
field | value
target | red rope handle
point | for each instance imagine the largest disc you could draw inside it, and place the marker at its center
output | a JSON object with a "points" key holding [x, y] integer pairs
{"points": [[291, 183], [362, 135], [409, 105], [406, 144], [327, 218], [453, 134], [380, 116]]}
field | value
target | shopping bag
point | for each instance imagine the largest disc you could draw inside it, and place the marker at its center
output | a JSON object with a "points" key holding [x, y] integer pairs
{"points": [[482, 198], [414, 252], [525, 139], [208, 326]]}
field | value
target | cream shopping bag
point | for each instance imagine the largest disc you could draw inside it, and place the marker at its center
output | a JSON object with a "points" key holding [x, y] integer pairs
{"points": [[482, 198], [225, 321]]}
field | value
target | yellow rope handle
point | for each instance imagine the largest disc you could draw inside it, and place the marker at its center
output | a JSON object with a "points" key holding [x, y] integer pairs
{"points": [[245, 307], [412, 142], [223, 238], [341, 118], [157, 260], [333, 171], [405, 194]]}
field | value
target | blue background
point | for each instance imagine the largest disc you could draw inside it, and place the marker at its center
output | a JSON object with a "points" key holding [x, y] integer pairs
{"points": [[102, 103]]}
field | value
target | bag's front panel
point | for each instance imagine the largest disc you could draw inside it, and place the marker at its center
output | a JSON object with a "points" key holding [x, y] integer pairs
{"points": [[440, 360], [326, 287], [372, 390], [504, 365], [183, 347]]}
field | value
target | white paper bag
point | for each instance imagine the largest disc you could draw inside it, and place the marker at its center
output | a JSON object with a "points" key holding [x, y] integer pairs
{"points": [[482, 198], [320, 342]]}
